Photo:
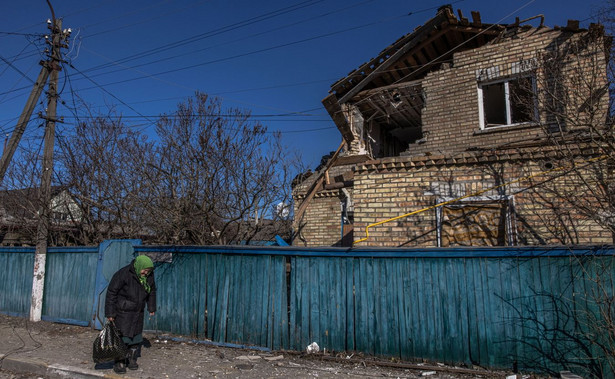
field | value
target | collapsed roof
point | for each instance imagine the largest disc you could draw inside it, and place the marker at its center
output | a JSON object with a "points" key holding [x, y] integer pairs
{"points": [[387, 89]]}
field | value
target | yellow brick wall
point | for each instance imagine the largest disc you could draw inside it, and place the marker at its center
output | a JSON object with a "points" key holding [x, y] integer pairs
{"points": [[541, 216], [451, 114]]}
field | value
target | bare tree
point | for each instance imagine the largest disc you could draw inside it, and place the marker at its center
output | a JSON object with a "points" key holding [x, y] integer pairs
{"points": [[567, 96], [97, 162], [214, 177]]}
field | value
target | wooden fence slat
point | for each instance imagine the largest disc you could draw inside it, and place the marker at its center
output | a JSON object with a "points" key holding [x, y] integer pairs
{"points": [[349, 305]]}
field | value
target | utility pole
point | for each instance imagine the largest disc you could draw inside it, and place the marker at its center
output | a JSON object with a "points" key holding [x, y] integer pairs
{"points": [[9, 151], [58, 38]]}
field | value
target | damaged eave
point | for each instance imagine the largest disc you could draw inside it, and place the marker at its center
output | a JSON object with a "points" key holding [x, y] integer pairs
{"points": [[335, 111], [437, 24], [492, 30], [368, 89], [333, 105], [400, 104]]}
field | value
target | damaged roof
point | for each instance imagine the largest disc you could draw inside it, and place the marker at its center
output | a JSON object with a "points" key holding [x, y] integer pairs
{"points": [[416, 53], [400, 66], [393, 77]]}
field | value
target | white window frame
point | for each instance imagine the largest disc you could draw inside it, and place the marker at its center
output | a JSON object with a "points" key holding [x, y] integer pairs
{"points": [[507, 102]]}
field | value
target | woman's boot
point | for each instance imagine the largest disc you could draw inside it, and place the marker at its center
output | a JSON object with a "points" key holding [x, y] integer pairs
{"points": [[133, 351], [120, 366]]}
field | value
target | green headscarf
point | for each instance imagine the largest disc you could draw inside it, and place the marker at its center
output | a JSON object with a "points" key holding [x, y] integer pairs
{"points": [[143, 262]]}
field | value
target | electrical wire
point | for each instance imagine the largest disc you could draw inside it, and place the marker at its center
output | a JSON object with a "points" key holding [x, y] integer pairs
{"points": [[251, 36], [22, 34], [163, 15], [116, 16], [98, 86], [108, 92], [211, 33], [279, 46], [72, 93], [175, 56], [99, 3], [22, 348], [255, 118], [16, 69], [249, 53]]}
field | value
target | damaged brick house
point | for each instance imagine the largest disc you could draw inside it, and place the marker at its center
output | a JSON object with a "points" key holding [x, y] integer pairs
{"points": [[489, 119]]}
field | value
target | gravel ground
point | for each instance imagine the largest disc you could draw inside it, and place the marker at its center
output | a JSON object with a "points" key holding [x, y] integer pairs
{"points": [[162, 357]]}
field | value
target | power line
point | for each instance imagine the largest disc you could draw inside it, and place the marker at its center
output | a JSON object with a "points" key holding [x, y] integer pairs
{"points": [[176, 56], [106, 91], [279, 46], [129, 13], [212, 33], [23, 34], [98, 4], [165, 14], [16, 69], [255, 118], [253, 52], [287, 114]]}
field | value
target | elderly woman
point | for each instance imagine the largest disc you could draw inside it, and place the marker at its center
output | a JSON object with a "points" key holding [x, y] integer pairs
{"points": [[130, 289]]}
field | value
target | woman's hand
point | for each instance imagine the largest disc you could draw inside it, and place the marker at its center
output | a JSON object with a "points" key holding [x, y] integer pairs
{"points": [[111, 319]]}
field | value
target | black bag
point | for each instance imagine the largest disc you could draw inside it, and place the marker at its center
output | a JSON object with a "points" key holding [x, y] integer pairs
{"points": [[108, 346]]}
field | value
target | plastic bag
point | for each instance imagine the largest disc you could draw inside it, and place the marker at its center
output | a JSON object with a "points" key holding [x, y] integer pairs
{"points": [[108, 346]]}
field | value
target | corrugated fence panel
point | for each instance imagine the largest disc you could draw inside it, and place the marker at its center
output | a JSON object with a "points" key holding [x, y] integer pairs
{"points": [[69, 285], [180, 288], [321, 303], [238, 299], [16, 280]]}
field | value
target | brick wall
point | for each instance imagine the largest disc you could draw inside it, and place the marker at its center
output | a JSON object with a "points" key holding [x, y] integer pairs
{"points": [[321, 224], [540, 212], [451, 114]]}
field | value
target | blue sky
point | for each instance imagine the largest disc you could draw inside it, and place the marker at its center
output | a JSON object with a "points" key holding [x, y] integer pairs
{"points": [[275, 58]]}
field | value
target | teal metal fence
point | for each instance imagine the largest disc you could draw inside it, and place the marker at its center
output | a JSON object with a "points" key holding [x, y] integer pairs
{"points": [[533, 308], [69, 284], [16, 280]]}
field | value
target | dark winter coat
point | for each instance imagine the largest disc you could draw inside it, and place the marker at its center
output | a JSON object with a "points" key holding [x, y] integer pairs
{"points": [[126, 299]]}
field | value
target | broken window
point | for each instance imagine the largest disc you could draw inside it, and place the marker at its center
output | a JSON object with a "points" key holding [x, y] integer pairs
{"points": [[507, 102]]}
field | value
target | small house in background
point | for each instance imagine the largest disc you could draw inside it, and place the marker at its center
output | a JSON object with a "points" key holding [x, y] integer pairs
{"points": [[463, 133], [264, 232], [19, 216]]}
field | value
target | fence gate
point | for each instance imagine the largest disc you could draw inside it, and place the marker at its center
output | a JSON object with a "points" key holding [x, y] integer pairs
{"points": [[112, 256]]}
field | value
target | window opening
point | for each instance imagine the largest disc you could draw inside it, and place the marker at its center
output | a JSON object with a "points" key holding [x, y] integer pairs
{"points": [[508, 102]]}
